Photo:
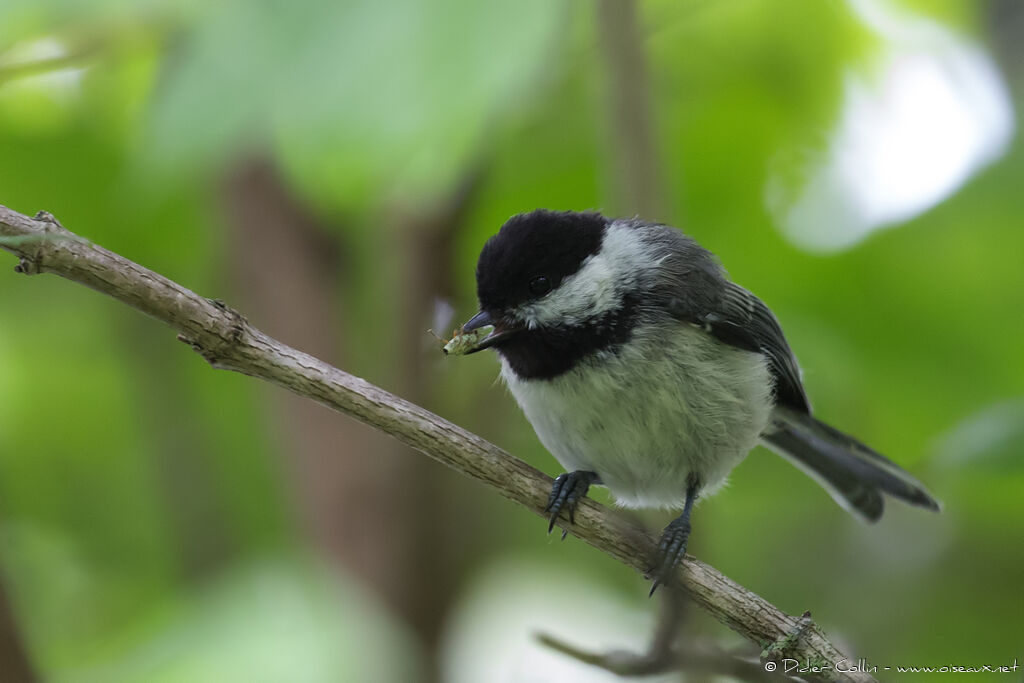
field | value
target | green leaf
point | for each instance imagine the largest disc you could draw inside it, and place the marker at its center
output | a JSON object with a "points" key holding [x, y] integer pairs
{"points": [[359, 99]]}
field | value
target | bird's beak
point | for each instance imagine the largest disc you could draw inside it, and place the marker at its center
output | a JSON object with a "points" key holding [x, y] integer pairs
{"points": [[500, 332]]}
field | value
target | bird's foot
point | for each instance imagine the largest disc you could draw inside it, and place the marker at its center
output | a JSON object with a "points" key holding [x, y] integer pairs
{"points": [[671, 550], [566, 493]]}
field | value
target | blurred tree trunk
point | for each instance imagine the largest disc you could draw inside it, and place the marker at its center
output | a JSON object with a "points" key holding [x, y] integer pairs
{"points": [[367, 506], [347, 482], [427, 239], [15, 666], [635, 169], [180, 448]]}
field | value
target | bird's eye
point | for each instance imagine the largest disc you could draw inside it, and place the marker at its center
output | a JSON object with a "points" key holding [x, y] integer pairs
{"points": [[539, 286]]}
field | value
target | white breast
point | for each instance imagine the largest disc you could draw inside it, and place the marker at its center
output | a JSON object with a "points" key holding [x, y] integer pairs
{"points": [[669, 403]]}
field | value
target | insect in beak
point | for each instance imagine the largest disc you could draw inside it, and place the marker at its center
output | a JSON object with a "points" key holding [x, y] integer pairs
{"points": [[471, 339]]}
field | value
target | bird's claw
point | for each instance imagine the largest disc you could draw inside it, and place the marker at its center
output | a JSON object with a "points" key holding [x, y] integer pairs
{"points": [[566, 493], [671, 550]]}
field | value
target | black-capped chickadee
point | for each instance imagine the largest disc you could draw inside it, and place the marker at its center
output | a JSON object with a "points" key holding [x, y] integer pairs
{"points": [[644, 369]]}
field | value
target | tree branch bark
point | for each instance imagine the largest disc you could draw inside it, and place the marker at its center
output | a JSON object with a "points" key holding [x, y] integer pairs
{"points": [[227, 341]]}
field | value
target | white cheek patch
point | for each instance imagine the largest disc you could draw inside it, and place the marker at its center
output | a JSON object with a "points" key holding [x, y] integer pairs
{"points": [[597, 287]]}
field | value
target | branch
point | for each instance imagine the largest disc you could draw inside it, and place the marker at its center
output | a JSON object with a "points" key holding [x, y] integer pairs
{"points": [[227, 341], [701, 659], [665, 654]]}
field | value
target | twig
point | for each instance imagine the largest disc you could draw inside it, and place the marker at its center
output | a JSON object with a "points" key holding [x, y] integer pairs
{"points": [[667, 654], [705, 659], [227, 341]]}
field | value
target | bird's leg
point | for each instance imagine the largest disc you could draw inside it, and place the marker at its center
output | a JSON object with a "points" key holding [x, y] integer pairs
{"points": [[566, 493], [672, 546]]}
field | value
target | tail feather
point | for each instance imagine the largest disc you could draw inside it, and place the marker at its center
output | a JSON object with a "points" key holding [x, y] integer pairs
{"points": [[855, 475]]}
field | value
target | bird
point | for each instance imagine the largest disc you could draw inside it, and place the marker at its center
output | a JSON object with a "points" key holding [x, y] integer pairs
{"points": [[643, 368]]}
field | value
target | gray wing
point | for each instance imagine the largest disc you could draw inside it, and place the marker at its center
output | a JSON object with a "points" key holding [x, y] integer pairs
{"points": [[699, 292], [741, 319]]}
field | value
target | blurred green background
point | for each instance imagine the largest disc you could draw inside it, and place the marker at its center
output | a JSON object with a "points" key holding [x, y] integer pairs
{"points": [[332, 170]]}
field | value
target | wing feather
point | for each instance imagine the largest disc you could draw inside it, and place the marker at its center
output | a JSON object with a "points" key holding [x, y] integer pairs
{"points": [[699, 293], [743, 320]]}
